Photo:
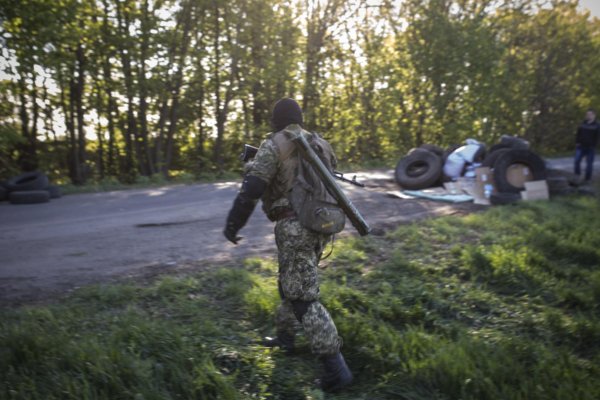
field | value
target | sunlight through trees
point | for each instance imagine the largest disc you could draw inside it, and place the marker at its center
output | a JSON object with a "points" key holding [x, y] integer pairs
{"points": [[97, 89]]}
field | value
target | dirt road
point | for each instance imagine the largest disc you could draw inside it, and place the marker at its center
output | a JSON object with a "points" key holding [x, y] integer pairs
{"points": [[90, 238], [49, 249]]}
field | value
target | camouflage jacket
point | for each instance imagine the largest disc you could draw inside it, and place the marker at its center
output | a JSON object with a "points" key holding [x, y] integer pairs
{"points": [[275, 163]]}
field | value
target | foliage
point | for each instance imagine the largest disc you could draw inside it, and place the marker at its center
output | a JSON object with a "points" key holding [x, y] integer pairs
{"points": [[99, 89], [497, 305]]}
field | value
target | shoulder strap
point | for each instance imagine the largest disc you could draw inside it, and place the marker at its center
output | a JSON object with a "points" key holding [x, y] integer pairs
{"points": [[285, 147]]}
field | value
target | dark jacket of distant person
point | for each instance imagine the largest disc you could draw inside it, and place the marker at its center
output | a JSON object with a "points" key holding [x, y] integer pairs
{"points": [[587, 134]]}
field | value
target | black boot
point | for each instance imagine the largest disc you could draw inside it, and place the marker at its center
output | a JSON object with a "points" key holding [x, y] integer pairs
{"points": [[337, 374], [284, 341]]}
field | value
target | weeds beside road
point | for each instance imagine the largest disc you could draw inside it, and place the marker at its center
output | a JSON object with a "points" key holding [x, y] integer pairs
{"points": [[496, 305], [144, 182]]}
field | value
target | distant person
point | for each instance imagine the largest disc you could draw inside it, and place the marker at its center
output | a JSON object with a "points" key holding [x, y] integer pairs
{"points": [[586, 141]]}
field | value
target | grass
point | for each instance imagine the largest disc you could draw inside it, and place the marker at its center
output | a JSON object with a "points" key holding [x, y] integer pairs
{"points": [[497, 305], [176, 178], [141, 182]]}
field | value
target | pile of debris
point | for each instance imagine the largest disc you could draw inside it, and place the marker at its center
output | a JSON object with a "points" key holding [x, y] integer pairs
{"points": [[508, 172], [29, 188]]}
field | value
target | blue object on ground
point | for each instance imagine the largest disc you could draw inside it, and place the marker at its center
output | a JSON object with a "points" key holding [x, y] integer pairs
{"points": [[446, 197]]}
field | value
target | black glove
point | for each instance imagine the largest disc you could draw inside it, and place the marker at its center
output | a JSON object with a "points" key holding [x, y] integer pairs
{"points": [[230, 233], [252, 190]]}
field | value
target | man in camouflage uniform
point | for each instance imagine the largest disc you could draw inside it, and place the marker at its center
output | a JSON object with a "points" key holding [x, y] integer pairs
{"points": [[270, 177]]}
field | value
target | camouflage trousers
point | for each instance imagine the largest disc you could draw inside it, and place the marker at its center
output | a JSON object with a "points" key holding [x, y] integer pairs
{"points": [[299, 252]]}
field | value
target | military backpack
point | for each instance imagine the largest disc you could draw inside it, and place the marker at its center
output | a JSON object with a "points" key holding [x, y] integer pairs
{"points": [[314, 206]]}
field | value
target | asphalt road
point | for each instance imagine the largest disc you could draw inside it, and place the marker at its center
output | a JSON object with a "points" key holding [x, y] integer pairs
{"points": [[50, 249]]}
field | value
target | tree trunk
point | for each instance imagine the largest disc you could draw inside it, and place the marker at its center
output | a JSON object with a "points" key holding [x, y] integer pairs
{"points": [[218, 148], [111, 168], [143, 90], [48, 118], [158, 145], [100, 134], [163, 114], [246, 113], [200, 151], [75, 166], [222, 107], [309, 90], [79, 89], [133, 144], [110, 109], [27, 158], [183, 50]]}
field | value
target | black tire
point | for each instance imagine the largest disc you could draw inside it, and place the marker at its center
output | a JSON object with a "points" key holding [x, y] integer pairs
{"points": [[491, 158], [514, 142], [558, 184], [416, 150], [28, 181], [54, 191], [497, 147], [418, 170], [572, 179], [3, 194], [433, 148], [30, 197], [498, 199], [535, 164], [480, 154], [565, 192]]}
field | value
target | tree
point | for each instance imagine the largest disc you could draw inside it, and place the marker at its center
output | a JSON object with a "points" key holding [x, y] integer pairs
{"points": [[104, 89]]}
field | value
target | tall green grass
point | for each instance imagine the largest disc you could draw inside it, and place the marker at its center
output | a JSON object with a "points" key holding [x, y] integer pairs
{"points": [[497, 305]]}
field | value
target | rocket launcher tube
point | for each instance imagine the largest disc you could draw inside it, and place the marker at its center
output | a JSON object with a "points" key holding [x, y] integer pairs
{"points": [[343, 201]]}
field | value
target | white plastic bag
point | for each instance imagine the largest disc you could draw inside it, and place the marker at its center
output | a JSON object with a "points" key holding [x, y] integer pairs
{"points": [[454, 165]]}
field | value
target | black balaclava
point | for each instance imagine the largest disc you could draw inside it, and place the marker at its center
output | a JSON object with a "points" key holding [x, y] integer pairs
{"points": [[286, 111]]}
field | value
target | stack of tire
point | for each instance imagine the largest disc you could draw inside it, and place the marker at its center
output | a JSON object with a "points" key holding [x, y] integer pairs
{"points": [[29, 188], [562, 182], [512, 152], [422, 167]]}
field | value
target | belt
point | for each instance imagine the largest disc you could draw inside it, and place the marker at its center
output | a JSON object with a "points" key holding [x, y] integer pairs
{"points": [[284, 213]]}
